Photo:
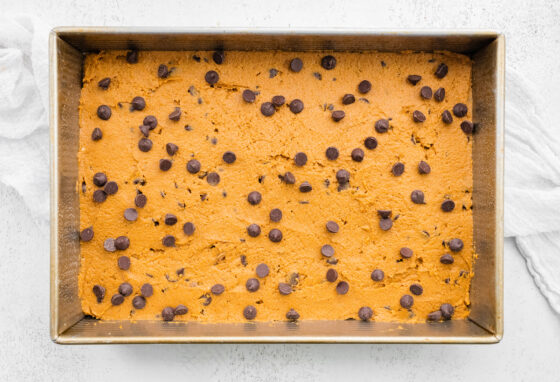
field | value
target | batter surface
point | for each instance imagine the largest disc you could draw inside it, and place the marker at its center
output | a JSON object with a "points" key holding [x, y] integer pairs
{"points": [[139, 258]]}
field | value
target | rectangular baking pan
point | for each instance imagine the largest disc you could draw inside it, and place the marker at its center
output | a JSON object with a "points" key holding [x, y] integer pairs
{"points": [[68, 325]]}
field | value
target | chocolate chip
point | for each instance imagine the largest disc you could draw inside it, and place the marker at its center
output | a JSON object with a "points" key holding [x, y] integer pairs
{"points": [[138, 302], [275, 215], [406, 252], [447, 311], [327, 250], [370, 143], [332, 275], [211, 77], [122, 243], [296, 106], [338, 115], [213, 178], [125, 289], [385, 224], [331, 153], [272, 73], [441, 70], [131, 214], [416, 289], [99, 179], [384, 214], [292, 315], [460, 110], [175, 115], [382, 126], [296, 65], [456, 245], [104, 112], [249, 96], [267, 109], [138, 103], [414, 79], [164, 164], [145, 130], [170, 219], [364, 87], [300, 159], [342, 176], [305, 187], [439, 95], [348, 99], [417, 197], [99, 293], [140, 200], [289, 178], [328, 62], [117, 299], [424, 168], [446, 117], [434, 316], [377, 275], [171, 148], [332, 227], [467, 127], [446, 259], [168, 241], [250, 312], [407, 301], [357, 155], [96, 134], [168, 314], [147, 290], [193, 166], [109, 245], [219, 57], [252, 285], [448, 205], [397, 169], [150, 121], [426, 92], [418, 116], [188, 228], [123, 262], [365, 313], [262, 270], [229, 157], [104, 83], [145, 145], [275, 235], [284, 289], [163, 71], [342, 287], [217, 289], [87, 234], [253, 230], [278, 100], [99, 196], [254, 198], [132, 57]]}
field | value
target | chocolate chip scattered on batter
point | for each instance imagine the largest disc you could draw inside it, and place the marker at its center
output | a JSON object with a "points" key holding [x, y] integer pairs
{"points": [[171, 148], [328, 62], [131, 214], [296, 65], [357, 155], [292, 315], [99, 293], [446, 117], [99, 179], [342, 287], [300, 159], [267, 109], [188, 228], [296, 106], [338, 115], [275, 235], [397, 169], [418, 116], [382, 126], [385, 224], [416, 289], [413, 79], [275, 215], [132, 57], [332, 275], [117, 299], [332, 227], [447, 311], [377, 275], [365, 313], [253, 230], [164, 164], [407, 301], [140, 200], [364, 87], [327, 250], [342, 176], [217, 289], [249, 96], [448, 205], [406, 252], [348, 99], [456, 245], [163, 71], [434, 316], [250, 312], [193, 166], [168, 241], [109, 245], [424, 168], [332, 153], [460, 110], [426, 92], [446, 259], [305, 187], [144, 145], [99, 196], [96, 134], [252, 285], [138, 302], [439, 95], [467, 127], [145, 130], [211, 77], [441, 70], [254, 198], [370, 143], [86, 234], [150, 121], [284, 289], [123, 263], [175, 115], [104, 112], [262, 270], [138, 103], [170, 219], [122, 243], [104, 83], [278, 100], [213, 178], [125, 289], [168, 314], [219, 57], [417, 197]]}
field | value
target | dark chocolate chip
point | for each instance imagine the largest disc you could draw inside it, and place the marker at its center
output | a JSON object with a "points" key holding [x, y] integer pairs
{"points": [[300, 159], [213, 178], [382, 126], [385, 224], [109, 245], [278, 100], [338, 115], [188, 228], [145, 130], [87, 234], [407, 301], [292, 315], [447, 311], [377, 275], [252, 285], [175, 115], [328, 62], [460, 110], [275, 235], [193, 166], [147, 290], [254, 198], [253, 230], [446, 259], [145, 145], [446, 117], [331, 153], [305, 187], [131, 214], [364, 87], [229, 157], [132, 57], [441, 70], [348, 99], [170, 219], [296, 65], [104, 83], [417, 197], [418, 116], [138, 302], [168, 314], [332, 227], [342, 176], [439, 95], [150, 121], [327, 250], [296, 106], [456, 245], [272, 73], [406, 252], [397, 169], [138, 103], [262, 270], [384, 214], [123, 262], [104, 112], [249, 96], [219, 57], [332, 275], [448, 205], [99, 196], [357, 155], [416, 289], [99, 293], [111, 188], [164, 164], [275, 215], [342, 287], [217, 289], [117, 299], [125, 289], [168, 241], [99, 179], [284, 289], [211, 77], [250, 312], [467, 127], [414, 79], [434, 316], [426, 92], [267, 109], [370, 143], [163, 71], [96, 134], [140, 200], [289, 178], [424, 168], [171, 148], [365, 313], [122, 243]]}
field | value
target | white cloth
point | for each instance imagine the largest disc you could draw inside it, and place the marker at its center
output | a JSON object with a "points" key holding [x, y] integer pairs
{"points": [[532, 194]]}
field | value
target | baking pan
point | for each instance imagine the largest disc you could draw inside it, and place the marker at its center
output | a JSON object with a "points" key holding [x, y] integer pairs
{"points": [[485, 323]]}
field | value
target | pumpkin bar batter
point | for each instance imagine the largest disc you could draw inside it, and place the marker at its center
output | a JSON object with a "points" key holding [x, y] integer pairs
{"points": [[225, 187]]}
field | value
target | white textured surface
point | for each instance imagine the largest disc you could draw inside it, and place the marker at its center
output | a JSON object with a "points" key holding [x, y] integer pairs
{"points": [[531, 346]]}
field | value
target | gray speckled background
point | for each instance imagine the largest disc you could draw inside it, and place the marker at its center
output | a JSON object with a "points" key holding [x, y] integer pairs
{"points": [[531, 346]]}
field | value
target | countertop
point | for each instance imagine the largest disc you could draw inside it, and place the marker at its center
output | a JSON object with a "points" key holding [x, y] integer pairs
{"points": [[530, 349]]}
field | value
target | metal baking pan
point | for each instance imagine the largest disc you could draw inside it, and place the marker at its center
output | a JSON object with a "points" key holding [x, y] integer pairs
{"points": [[68, 325]]}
